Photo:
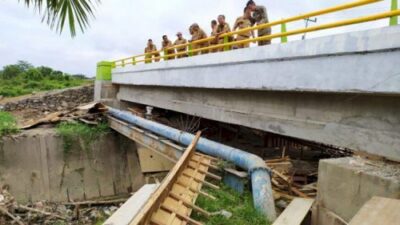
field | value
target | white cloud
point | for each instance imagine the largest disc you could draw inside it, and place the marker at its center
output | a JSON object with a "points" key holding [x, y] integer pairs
{"points": [[122, 27]]}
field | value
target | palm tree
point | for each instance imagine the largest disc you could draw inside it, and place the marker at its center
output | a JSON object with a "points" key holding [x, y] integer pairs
{"points": [[56, 12]]}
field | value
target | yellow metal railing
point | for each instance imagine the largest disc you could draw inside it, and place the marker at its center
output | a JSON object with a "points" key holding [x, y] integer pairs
{"points": [[284, 34]]}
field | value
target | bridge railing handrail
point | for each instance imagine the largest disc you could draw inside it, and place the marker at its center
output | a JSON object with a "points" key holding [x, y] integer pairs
{"points": [[125, 61]]}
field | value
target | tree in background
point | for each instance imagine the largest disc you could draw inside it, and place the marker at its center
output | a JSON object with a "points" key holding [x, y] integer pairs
{"points": [[12, 71], [23, 78], [57, 12]]}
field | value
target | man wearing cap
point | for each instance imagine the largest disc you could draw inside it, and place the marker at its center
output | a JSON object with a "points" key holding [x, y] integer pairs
{"points": [[222, 28], [243, 22], [167, 47], [180, 41], [150, 51], [260, 16], [198, 34]]}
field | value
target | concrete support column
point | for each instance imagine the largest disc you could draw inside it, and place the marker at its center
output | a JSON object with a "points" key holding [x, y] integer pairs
{"points": [[104, 89]]}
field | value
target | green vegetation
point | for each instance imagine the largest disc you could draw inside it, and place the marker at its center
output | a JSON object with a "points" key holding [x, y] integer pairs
{"points": [[71, 132], [8, 124], [241, 207], [56, 13], [23, 78]]}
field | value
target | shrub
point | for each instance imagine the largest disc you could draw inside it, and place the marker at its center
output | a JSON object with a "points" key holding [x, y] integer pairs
{"points": [[8, 124], [88, 134]]}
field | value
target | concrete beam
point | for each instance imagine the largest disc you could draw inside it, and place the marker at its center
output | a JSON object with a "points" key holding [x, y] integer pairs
{"points": [[359, 122], [163, 147]]}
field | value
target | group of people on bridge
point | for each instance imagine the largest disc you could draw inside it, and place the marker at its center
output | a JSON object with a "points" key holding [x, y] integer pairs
{"points": [[253, 14]]}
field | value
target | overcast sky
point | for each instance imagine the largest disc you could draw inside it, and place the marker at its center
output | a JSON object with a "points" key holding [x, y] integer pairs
{"points": [[122, 27]]}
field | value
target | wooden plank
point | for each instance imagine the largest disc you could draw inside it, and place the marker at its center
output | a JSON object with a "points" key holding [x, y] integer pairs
{"points": [[295, 213], [131, 207], [156, 200], [378, 210]]}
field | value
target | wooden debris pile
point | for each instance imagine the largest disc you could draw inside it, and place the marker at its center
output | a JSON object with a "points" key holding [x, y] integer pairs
{"points": [[44, 212], [89, 114], [293, 178]]}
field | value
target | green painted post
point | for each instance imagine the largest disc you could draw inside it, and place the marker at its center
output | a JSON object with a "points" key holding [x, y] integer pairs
{"points": [[190, 53], [226, 40], [104, 70], [164, 56], [284, 39], [394, 19], [123, 63], [133, 61]]}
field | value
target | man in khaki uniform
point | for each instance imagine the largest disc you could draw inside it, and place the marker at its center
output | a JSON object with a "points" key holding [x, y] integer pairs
{"points": [[180, 41], [222, 28], [198, 34], [260, 16], [214, 26], [150, 51], [243, 22], [167, 44]]}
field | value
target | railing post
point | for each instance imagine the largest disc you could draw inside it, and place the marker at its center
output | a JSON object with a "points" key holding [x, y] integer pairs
{"points": [[190, 53], [226, 40], [164, 56], [123, 63], [147, 58], [284, 39], [394, 19], [133, 61], [104, 70]]}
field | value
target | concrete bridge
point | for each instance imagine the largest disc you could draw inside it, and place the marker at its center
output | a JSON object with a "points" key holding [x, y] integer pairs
{"points": [[342, 90]]}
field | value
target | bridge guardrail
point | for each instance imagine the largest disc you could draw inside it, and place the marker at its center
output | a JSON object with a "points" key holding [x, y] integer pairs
{"points": [[392, 14]]}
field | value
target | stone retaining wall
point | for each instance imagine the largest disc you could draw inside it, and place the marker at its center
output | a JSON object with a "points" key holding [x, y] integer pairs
{"points": [[53, 101]]}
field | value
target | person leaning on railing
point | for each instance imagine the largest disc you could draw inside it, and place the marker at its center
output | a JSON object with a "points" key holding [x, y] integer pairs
{"points": [[243, 22], [198, 34], [180, 41], [260, 16], [222, 28], [214, 26], [150, 51], [167, 48]]}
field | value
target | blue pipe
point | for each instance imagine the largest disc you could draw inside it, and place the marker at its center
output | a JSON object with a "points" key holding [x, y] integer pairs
{"points": [[260, 174]]}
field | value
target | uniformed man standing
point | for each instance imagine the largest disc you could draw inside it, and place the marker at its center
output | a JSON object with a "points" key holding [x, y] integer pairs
{"points": [[260, 16], [167, 47], [214, 26], [222, 28], [180, 41], [150, 51], [198, 34], [243, 22]]}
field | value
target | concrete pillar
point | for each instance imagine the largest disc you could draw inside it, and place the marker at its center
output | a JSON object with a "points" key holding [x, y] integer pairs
{"points": [[104, 89], [346, 184]]}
